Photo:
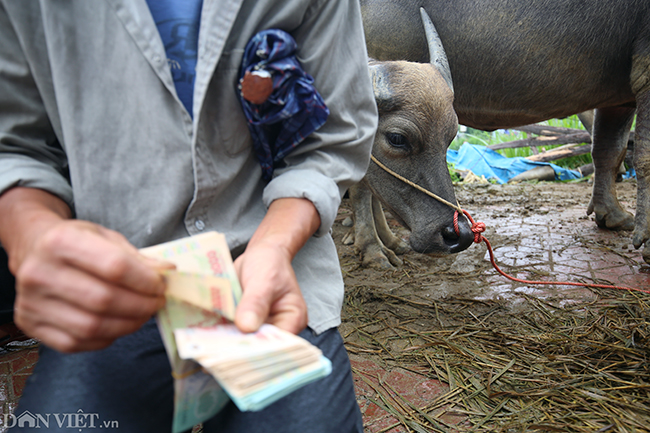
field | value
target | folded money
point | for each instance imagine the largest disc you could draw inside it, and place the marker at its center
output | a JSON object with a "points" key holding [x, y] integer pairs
{"points": [[212, 361], [197, 395], [207, 292], [257, 368]]}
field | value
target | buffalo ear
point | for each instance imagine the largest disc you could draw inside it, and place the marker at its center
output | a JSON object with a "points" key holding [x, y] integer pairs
{"points": [[437, 55], [380, 76]]}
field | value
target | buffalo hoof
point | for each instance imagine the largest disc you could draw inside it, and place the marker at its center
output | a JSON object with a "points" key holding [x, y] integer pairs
{"points": [[646, 253], [374, 252], [639, 237], [398, 246], [618, 222], [379, 257], [614, 218], [348, 239]]}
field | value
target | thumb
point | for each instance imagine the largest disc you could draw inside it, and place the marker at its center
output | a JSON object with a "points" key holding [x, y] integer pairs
{"points": [[251, 311]]}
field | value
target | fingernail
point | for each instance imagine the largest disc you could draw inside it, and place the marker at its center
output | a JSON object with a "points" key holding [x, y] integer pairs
{"points": [[157, 264], [161, 288], [247, 321], [165, 265]]}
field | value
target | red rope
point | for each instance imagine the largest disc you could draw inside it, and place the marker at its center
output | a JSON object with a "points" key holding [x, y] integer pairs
{"points": [[478, 228]]}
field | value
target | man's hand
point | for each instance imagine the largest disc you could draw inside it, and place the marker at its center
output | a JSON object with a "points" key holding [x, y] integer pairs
{"points": [[271, 291], [79, 286]]}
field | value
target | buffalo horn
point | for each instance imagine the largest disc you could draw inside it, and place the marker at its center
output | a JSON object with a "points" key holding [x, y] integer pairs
{"points": [[437, 55]]}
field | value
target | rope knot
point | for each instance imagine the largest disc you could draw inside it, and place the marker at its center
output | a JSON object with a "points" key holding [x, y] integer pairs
{"points": [[477, 227]]}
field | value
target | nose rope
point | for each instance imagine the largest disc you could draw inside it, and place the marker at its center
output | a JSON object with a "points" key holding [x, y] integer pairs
{"points": [[479, 228], [416, 186]]}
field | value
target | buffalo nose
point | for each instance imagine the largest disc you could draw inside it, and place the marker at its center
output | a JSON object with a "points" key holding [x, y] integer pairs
{"points": [[458, 242]]}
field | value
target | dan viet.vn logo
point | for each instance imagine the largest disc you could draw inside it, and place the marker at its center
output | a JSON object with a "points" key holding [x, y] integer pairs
{"points": [[75, 420]]}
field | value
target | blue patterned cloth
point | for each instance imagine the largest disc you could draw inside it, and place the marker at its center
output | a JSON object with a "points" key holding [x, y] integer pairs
{"points": [[294, 109]]}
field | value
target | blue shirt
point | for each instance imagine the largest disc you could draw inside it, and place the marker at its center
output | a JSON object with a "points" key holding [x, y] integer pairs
{"points": [[178, 23]]}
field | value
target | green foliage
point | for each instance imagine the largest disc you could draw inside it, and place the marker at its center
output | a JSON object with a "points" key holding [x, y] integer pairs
{"points": [[485, 138], [455, 177]]}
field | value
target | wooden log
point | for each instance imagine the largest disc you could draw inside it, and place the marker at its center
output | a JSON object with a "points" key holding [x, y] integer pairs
{"points": [[546, 173], [545, 140], [586, 170], [542, 173], [561, 152], [547, 130]]}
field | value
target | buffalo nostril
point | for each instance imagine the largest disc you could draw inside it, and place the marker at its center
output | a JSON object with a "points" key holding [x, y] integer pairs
{"points": [[458, 241], [449, 234]]}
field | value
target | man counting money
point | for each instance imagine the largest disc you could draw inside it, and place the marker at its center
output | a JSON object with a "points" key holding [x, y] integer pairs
{"points": [[122, 128]]}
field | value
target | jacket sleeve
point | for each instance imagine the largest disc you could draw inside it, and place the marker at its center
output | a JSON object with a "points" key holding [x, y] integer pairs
{"points": [[331, 48], [30, 152]]}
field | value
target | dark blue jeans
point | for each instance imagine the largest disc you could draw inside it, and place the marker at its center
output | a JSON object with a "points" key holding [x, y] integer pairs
{"points": [[7, 290], [128, 387]]}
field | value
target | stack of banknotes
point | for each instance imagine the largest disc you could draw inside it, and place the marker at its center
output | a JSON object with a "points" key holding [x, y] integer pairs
{"points": [[212, 362], [254, 369]]}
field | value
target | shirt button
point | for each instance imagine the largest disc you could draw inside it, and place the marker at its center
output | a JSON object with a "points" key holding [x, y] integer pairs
{"points": [[200, 225]]}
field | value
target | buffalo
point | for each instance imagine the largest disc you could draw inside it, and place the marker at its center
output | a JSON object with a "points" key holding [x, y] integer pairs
{"points": [[416, 125], [515, 63]]}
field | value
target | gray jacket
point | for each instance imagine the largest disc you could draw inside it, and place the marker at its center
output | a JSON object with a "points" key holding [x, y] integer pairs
{"points": [[89, 112]]}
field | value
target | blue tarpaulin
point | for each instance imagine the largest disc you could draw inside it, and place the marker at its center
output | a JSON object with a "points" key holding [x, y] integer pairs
{"points": [[630, 174], [483, 161]]}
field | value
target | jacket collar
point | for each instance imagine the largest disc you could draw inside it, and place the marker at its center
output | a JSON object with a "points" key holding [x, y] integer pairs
{"points": [[217, 19]]}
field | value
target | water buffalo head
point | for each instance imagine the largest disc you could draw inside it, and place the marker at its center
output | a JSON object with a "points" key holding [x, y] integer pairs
{"points": [[417, 122]]}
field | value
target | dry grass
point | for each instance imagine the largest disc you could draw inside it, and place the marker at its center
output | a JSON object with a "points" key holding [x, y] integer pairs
{"points": [[534, 366]]}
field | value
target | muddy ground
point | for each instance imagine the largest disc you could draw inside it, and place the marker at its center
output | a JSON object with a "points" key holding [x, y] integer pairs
{"points": [[470, 274], [396, 318]]}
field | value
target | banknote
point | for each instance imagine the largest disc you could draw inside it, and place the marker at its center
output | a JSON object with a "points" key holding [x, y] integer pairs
{"points": [[257, 368], [211, 360], [192, 388], [197, 398], [231, 367], [251, 376], [204, 274], [201, 255], [278, 387], [204, 254], [233, 344], [208, 292]]}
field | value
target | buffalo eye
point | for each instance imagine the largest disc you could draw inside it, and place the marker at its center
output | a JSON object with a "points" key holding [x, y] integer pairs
{"points": [[397, 140]]}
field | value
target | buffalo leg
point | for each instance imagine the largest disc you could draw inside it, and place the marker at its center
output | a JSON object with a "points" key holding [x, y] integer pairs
{"points": [[386, 235], [366, 240], [642, 166], [610, 134], [587, 120]]}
